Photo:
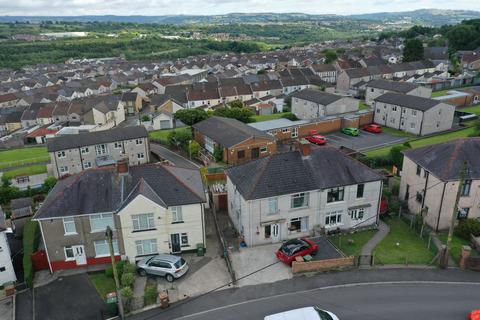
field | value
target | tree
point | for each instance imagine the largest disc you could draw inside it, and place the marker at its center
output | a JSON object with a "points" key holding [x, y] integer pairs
{"points": [[193, 148], [244, 115], [218, 153], [191, 116], [236, 104], [179, 139], [413, 50], [330, 56]]}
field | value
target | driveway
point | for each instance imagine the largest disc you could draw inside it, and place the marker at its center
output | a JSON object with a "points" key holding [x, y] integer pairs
{"points": [[325, 249], [365, 141], [72, 297], [251, 259], [166, 154]]}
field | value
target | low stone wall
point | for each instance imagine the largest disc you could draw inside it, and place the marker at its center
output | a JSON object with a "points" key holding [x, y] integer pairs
{"points": [[322, 265]]}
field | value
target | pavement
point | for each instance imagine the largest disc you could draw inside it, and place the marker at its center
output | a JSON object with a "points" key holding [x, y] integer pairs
{"points": [[365, 141], [6, 308], [383, 230], [166, 154], [421, 296], [24, 305]]}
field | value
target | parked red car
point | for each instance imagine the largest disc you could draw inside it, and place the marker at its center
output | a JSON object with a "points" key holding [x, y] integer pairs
{"points": [[316, 138], [296, 248], [474, 315], [373, 128]]}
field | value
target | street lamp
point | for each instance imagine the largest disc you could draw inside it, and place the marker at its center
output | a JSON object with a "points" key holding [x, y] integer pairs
{"points": [[190, 149]]}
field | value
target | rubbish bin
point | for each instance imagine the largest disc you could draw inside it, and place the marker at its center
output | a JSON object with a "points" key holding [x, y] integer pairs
{"points": [[111, 304], [200, 250], [164, 300]]}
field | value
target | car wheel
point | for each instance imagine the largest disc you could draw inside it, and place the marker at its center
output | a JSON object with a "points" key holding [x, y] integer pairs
{"points": [[142, 272], [169, 278]]}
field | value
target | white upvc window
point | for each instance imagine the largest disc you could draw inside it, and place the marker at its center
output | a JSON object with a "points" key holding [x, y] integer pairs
{"points": [[84, 150], [99, 222], [69, 226], [145, 247], [333, 218], [102, 248], [101, 149], [87, 165], [357, 214], [272, 205], [177, 215], [138, 141], [298, 224], [64, 169], [263, 149], [184, 240], [143, 221], [209, 144], [61, 154], [299, 200], [117, 145], [140, 155], [69, 254]]}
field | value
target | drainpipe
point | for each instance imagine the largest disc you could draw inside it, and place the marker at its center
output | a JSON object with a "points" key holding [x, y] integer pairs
{"points": [[425, 189], [441, 205], [379, 202]]}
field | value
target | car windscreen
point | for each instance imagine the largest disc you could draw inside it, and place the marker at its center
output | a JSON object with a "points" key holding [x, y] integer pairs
{"points": [[179, 263], [323, 315], [293, 246]]}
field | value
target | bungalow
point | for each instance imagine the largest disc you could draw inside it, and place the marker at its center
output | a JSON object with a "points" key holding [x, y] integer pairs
{"points": [[238, 141], [291, 194], [150, 208]]}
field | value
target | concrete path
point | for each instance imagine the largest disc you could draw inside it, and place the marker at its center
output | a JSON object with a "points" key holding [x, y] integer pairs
{"points": [[171, 156], [383, 230]]}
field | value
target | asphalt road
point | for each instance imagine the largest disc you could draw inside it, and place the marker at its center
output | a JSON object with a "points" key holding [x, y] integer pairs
{"points": [[171, 156], [393, 294]]}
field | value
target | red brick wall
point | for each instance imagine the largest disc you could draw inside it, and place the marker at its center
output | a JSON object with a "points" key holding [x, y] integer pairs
{"points": [[60, 265], [322, 265]]}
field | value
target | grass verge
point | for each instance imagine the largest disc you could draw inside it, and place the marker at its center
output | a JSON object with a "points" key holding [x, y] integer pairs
{"points": [[402, 246], [102, 283], [359, 239]]}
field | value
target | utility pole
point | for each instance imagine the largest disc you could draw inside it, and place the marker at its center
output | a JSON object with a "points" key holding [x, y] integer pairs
{"points": [[446, 254], [109, 234]]}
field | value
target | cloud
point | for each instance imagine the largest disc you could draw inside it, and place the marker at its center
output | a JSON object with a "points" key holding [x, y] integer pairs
{"points": [[208, 7]]}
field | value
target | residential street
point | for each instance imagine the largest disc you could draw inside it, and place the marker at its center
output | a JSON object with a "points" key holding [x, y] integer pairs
{"points": [[171, 156], [373, 301]]}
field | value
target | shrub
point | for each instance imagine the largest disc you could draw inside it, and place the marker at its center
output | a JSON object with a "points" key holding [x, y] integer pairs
{"points": [[145, 118], [31, 239], [218, 153], [290, 116], [194, 148], [109, 272], [127, 293], [467, 227], [120, 265], [129, 268], [128, 279], [151, 293]]}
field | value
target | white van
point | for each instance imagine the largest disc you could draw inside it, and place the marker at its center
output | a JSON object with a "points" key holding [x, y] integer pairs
{"points": [[308, 313]]}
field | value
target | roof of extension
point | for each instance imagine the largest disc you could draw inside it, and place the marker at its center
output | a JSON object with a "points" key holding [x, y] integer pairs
{"points": [[103, 190], [290, 172], [91, 138], [445, 160]]}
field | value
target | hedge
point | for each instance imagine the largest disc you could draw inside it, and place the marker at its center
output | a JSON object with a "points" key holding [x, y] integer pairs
{"points": [[31, 239]]}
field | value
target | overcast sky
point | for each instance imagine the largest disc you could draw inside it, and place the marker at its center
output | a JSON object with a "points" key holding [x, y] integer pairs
{"points": [[208, 7]]}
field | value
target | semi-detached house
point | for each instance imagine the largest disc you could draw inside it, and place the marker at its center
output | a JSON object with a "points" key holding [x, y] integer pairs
{"points": [[150, 208], [287, 195]]}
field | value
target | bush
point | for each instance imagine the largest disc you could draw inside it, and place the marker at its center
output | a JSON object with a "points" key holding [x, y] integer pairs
{"points": [[129, 268], [128, 279], [31, 239], [151, 293], [218, 153], [467, 227], [290, 116], [194, 149], [109, 272]]}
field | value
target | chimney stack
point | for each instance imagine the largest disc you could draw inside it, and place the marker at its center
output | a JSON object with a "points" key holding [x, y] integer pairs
{"points": [[122, 167], [305, 147]]}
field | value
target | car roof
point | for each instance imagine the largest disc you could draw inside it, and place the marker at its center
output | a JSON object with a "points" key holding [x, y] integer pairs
{"points": [[307, 313], [165, 257]]}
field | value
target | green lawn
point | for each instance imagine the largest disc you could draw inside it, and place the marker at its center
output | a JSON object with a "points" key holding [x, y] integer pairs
{"points": [[102, 283], [473, 109], [364, 106], [457, 244], [26, 171], [382, 152], [267, 117], [162, 135], [441, 93], [359, 240], [11, 158], [410, 248], [398, 133]]}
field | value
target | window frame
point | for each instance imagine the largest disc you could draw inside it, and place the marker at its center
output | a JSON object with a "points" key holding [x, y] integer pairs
{"points": [[150, 221], [84, 150], [340, 191], [91, 217], [361, 186], [61, 154], [176, 214], [466, 188], [306, 200], [270, 201], [150, 243], [116, 250], [338, 218], [138, 141], [69, 233], [183, 243], [67, 258]]}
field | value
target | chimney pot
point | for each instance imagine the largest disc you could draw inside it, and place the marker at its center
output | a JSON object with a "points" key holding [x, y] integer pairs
{"points": [[122, 167], [305, 147]]}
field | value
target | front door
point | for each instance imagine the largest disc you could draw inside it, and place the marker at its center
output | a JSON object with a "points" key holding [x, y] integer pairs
{"points": [[275, 229], [80, 257], [175, 240]]}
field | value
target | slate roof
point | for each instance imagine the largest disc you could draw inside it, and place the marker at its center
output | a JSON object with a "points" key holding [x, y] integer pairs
{"points": [[103, 190], [445, 160], [228, 132], [319, 97], [290, 172], [408, 101], [21, 203], [396, 86], [91, 138]]}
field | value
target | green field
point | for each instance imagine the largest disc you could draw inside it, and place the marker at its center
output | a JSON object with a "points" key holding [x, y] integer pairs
{"points": [[382, 152], [26, 171], [441, 93], [410, 249], [267, 117], [364, 106], [358, 241], [102, 283], [473, 109], [17, 157], [162, 135], [457, 244]]}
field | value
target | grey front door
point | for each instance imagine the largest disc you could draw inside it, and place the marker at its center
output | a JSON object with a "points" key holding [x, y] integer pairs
{"points": [[175, 240]]}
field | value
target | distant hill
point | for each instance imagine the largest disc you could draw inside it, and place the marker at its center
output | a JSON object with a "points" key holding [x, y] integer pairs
{"points": [[429, 17]]}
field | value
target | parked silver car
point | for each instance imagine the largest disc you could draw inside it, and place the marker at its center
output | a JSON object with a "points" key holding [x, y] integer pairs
{"points": [[166, 265]]}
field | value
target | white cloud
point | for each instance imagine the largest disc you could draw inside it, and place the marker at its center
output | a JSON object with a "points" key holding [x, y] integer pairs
{"points": [[207, 7]]}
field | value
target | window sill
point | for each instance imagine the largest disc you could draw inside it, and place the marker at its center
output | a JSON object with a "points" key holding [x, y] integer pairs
{"points": [[299, 208], [185, 245], [70, 259], [177, 222], [100, 230], [71, 234], [107, 255], [334, 225], [146, 255], [335, 202], [144, 230]]}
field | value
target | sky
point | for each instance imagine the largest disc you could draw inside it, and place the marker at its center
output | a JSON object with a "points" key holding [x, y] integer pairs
{"points": [[211, 7]]}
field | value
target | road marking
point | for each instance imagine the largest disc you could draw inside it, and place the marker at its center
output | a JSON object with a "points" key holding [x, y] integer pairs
{"points": [[348, 285]]}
